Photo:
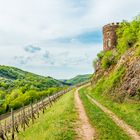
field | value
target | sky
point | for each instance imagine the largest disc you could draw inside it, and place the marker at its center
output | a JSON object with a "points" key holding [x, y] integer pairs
{"points": [[58, 38]]}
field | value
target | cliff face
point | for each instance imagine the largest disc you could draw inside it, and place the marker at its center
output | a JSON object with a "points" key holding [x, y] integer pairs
{"points": [[117, 72], [131, 78], [121, 80]]}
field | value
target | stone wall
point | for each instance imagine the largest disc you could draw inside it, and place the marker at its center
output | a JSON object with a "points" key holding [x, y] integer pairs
{"points": [[109, 36]]}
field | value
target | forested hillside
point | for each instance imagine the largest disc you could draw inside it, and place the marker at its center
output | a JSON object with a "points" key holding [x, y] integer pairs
{"points": [[18, 87], [78, 79]]}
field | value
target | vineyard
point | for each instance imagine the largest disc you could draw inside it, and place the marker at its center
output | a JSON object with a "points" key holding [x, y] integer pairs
{"points": [[16, 121]]}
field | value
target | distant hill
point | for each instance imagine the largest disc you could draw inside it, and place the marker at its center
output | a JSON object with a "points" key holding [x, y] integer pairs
{"points": [[78, 79], [18, 86], [11, 75]]}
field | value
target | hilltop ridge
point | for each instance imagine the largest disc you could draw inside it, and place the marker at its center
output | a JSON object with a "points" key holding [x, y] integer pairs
{"points": [[18, 87], [77, 79]]}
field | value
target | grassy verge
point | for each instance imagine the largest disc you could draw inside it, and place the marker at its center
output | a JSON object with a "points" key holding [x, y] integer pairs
{"points": [[127, 111], [105, 127], [56, 123]]}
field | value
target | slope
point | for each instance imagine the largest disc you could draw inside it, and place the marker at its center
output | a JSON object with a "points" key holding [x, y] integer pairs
{"points": [[78, 79], [117, 70], [18, 87], [56, 124], [116, 82]]}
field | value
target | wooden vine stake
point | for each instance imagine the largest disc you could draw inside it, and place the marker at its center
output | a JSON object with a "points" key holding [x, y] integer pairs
{"points": [[42, 105], [12, 123], [23, 115], [32, 113], [1, 132], [50, 103], [5, 128], [37, 108]]}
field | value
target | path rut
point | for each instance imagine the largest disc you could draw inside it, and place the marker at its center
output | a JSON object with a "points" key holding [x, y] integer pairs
{"points": [[127, 129], [85, 130]]}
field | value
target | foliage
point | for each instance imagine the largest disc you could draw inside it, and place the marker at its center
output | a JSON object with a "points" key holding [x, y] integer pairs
{"points": [[128, 34], [106, 84], [19, 87], [95, 63], [100, 55], [78, 79], [108, 59], [99, 58]]}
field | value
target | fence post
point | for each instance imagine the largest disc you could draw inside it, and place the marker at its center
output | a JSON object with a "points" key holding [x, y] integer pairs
{"points": [[19, 120], [1, 132], [5, 128], [23, 112], [55, 97], [29, 114], [37, 107], [50, 103], [32, 113], [42, 105], [12, 119]]}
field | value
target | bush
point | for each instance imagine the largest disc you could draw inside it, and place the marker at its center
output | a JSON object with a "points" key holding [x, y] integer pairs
{"points": [[95, 63], [128, 34], [101, 55], [106, 84], [108, 59]]}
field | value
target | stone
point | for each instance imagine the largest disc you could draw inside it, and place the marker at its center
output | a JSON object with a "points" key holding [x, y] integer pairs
{"points": [[109, 36]]}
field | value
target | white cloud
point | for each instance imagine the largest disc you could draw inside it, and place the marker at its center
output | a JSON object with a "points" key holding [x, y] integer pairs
{"points": [[32, 48], [42, 22]]}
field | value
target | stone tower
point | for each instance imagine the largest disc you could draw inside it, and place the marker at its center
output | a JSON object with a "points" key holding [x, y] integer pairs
{"points": [[109, 36]]}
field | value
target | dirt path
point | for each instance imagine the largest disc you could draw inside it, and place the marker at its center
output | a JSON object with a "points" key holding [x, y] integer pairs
{"points": [[132, 133], [85, 130]]}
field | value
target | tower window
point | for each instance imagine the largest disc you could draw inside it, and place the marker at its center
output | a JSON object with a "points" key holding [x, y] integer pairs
{"points": [[109, 43], [108, 33]]}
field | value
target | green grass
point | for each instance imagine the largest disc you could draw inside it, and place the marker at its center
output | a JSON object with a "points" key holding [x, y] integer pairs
{"points": [[56, 124], [128, 111], [18, 87], [105, 127], [138, 49], [107, 84]]}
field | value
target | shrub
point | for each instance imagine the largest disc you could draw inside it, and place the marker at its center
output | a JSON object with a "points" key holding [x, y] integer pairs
{"points": [[128, 33], [108, 59], [101, 55], [106, 84], [95, 62]]}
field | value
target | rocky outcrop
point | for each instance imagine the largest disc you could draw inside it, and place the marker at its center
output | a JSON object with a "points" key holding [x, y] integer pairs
{"points": [[129, 84], [131, 79]]}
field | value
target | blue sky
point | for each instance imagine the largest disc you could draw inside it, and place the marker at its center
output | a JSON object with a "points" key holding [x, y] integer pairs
{"points": [[59, 38]]}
